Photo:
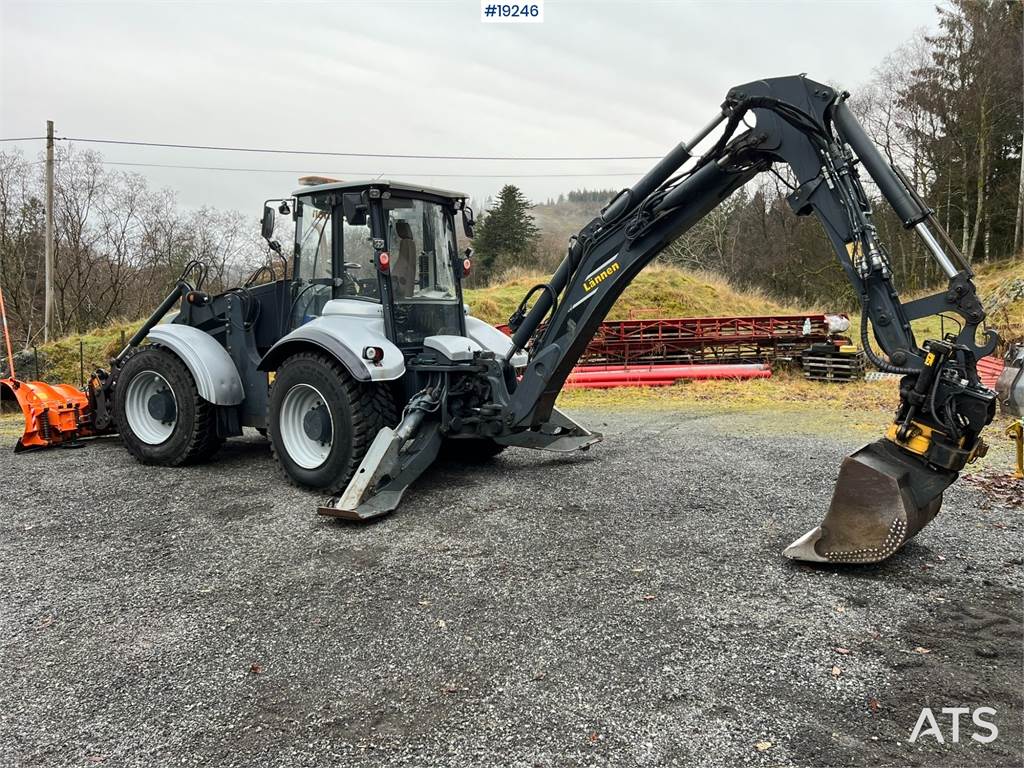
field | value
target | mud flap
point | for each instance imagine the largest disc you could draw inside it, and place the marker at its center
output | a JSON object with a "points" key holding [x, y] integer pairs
{"points": [[883, 497]]}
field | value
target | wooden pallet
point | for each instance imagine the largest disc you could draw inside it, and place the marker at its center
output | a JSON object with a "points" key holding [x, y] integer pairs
{"points": [[837, 367]]}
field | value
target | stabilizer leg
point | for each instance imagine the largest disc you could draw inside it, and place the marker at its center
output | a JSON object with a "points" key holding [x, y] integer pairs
{"points": [[395, 459], [560, 434]]}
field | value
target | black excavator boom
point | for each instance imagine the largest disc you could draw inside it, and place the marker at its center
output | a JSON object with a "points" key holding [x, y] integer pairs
{"points": [[887, 491]]}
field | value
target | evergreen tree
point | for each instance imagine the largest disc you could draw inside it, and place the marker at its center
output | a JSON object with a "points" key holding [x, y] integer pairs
{"points": [[507, 234]]}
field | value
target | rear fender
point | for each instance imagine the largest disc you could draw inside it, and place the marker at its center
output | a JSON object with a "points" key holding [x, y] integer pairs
{"points": [[209, 363], [344, 337]]}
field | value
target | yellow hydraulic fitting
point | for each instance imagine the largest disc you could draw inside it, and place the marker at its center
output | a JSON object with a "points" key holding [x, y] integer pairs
{"points": [[1016, 433]]}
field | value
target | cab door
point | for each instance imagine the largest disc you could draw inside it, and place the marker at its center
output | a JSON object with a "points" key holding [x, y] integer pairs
{"points": [[424, 288], [334, 258]]}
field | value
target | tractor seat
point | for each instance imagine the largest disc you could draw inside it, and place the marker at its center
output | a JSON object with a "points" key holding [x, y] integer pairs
{"points": [[403, 271]]}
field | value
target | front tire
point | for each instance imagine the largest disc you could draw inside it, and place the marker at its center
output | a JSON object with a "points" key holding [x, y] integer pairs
{"points": [[159, 413], [322, 421]]}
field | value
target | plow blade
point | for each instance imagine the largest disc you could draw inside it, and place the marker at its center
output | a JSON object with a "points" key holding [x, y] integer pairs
{"points": [[54, 414], [883, 497]]}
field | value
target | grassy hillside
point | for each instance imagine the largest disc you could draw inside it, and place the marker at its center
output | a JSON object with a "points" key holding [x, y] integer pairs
{"points": [[659, 291], [1001, 287], [59, 361]]}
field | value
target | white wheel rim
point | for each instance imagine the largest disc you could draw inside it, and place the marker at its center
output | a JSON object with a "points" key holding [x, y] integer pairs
{"points": [[306, 451], [147, 427]]}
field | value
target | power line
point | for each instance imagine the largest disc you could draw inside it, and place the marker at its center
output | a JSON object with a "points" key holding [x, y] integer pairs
{"points": [[396, 174], [25, 138], [391, 155]]}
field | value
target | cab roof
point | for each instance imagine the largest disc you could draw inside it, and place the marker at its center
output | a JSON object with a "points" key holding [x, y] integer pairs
{"points": [[397, 186]]}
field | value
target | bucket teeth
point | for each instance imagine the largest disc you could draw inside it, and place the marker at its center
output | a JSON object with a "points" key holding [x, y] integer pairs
{"points": [[883, 497]]}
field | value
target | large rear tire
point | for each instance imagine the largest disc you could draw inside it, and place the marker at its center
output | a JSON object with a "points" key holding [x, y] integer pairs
{"points": [[159, 413], [321, 421]]}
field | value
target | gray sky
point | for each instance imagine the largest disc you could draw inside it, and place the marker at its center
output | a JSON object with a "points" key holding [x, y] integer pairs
{"points": [[412, 76]]}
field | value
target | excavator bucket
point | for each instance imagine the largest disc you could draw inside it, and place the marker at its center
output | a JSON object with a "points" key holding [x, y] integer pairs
{"points": [[883, 497], [54, 413]]}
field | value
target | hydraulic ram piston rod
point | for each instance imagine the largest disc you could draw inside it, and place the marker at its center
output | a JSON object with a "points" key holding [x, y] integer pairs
{"points": [[933, 245]]}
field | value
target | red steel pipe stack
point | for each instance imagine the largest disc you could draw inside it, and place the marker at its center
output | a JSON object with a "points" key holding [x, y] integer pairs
{"points": [[608, 376]]}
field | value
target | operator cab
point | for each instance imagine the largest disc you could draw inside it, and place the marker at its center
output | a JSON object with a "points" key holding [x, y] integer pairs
{"points": [[380, 248]]}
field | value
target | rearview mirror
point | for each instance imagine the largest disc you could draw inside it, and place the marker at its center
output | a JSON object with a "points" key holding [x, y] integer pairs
{"points": [[268, 222], [467, 221]]}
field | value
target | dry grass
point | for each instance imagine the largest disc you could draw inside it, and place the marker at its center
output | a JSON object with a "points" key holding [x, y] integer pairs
{"points": [[658, 291], [11, 424], [786, 404], [784, 392], [59, 360]]}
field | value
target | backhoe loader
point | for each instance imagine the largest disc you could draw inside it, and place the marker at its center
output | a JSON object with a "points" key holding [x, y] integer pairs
{"points": [[363, 363]]}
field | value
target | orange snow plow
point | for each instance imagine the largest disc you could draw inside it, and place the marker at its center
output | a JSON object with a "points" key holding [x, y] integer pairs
{"points": [[55, 414]]}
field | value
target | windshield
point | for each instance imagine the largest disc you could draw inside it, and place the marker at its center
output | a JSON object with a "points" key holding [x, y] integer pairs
{"points": [[422, 248]]}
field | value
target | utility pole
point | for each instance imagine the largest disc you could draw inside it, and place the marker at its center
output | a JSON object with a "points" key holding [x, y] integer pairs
{"points": [[1018, 225], [48, 296]]}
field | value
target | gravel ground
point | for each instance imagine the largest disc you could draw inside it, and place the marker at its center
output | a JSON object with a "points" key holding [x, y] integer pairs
{"points": [[628, 606]]}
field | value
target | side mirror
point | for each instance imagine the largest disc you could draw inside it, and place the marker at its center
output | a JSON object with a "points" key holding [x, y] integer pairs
{"points": [[268, 222], [467, 221]]}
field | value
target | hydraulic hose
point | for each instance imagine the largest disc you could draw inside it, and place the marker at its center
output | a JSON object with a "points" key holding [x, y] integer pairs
{"points": [[898, 195], [878, 362], [180, 289], [516, 318]]}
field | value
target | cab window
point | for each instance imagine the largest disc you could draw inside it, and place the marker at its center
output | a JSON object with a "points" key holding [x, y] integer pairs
{"points": [[422, 248], [421, 244]]}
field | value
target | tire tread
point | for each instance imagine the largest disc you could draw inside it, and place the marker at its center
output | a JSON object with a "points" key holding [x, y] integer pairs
{"points": [[204, 440], [373, 407]]}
